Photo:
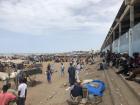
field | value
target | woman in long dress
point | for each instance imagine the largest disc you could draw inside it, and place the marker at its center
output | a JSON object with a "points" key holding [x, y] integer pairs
{"points": [[49, 73]]}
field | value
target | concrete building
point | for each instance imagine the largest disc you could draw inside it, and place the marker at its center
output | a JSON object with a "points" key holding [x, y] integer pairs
{"points": [[124, 34]]}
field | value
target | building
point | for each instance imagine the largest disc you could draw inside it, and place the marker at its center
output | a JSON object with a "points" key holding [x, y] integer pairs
{"points": [[124, 34]]}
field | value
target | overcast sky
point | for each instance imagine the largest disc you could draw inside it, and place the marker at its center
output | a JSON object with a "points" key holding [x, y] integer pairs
{"points": [[28, 26]]}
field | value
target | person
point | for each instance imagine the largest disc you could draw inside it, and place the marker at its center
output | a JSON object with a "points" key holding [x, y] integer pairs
{"points": [[52, 67], [71, 72], [49, 73], [62, 69], [22, 92], [134, 74], [124, 65], [78, 68], [6, 97], [102, 65], [136, 59], [108, 57], [76, 90], [19, 77], [76, 94], [82, 65]]}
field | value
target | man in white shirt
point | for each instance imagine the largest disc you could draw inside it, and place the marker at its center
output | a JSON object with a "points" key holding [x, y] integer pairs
{"points": [[62, 69], [78, 68], [22, 92]]}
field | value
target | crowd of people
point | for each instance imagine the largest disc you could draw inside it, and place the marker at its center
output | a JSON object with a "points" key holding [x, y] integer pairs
{"points": [[19, 97], [73, 70], [76, 89], [11, 97], [127, 65]]}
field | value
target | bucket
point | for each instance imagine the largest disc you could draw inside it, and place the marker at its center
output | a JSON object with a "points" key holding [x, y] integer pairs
{"points": [[85, 92]]}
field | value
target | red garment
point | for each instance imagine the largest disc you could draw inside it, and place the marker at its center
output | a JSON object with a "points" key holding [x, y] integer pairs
{"points": [[5, 98]]}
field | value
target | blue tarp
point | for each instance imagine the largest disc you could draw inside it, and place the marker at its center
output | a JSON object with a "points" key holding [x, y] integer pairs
{"points": [[96, 91]]}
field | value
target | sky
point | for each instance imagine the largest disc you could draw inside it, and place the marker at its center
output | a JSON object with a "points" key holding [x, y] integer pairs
{"points": [[49, 26]]}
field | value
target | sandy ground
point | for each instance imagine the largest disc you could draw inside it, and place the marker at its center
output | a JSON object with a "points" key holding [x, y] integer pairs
{"points": [[55, 94], [49, 94]]}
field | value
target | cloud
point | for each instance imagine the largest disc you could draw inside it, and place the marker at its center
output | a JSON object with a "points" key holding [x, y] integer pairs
{"points": [[39, 17]]}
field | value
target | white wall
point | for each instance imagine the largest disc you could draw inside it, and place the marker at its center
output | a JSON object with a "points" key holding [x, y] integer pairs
{"points": [[136, 38], [124, 42]]}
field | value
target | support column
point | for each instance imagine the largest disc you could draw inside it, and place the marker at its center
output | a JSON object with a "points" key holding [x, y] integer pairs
{"points": [[120, 32], [113, 41], [132, 18]]}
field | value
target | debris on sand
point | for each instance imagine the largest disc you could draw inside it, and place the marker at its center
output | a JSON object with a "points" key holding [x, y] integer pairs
{"points": [[65, 84]]}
